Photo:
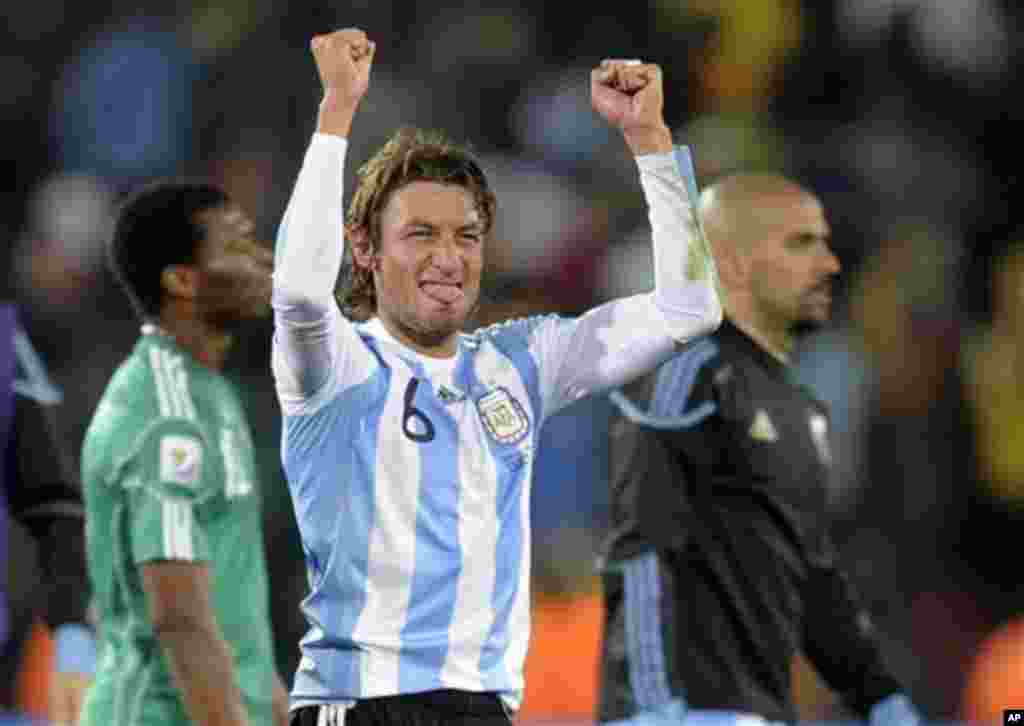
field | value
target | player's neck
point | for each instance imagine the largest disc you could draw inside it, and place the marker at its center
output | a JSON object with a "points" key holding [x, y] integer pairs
{"points": [[776, 340], [446, 348], [207, 344]]}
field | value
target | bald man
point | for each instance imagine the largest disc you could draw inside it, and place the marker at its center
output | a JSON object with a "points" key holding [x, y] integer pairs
{"points": [[720, 569]]}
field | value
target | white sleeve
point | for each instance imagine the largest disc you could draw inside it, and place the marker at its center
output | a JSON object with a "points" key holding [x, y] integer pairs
{"points": [[685, 279], [621, 340], [315, 349]]}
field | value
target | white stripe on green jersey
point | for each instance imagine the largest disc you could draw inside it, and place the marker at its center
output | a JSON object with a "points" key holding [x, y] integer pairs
{"points": [[410, 478]]}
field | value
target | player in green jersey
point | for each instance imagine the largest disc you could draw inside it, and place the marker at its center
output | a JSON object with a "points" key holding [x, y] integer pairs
{"points": [[175, 542]]}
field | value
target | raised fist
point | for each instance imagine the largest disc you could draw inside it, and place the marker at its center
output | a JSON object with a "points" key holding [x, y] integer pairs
{"points": [[343, 60], [628, 94]]}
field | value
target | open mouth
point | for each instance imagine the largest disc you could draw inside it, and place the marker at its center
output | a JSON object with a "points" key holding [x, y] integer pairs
{"points": [[443, 292]]}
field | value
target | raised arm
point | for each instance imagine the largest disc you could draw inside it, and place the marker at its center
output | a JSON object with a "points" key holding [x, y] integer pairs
{"points": [[630, 96], [621, 340], [309, 330]]}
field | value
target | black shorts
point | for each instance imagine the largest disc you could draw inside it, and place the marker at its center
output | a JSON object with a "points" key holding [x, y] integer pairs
{"points": [[430, 708]]}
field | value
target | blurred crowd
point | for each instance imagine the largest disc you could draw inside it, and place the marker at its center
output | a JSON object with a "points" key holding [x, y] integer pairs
{"points": [[901, 115]]}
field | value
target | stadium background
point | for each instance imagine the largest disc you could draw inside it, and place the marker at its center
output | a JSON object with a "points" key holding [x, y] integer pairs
{"points": [[903, 115]]}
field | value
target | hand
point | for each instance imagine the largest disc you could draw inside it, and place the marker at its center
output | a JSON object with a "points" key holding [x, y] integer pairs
{"points": [[343, 60], [280, 703], [630, 96], [67, 694]]}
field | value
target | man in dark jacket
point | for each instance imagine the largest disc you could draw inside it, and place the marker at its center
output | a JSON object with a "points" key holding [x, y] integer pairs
{"points": [[720, 569]]}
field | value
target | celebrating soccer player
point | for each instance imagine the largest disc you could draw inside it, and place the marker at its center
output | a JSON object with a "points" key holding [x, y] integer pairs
{"points": [[408, 445]]}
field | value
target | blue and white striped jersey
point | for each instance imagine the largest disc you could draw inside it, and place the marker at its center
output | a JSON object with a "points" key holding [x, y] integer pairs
{"points": [[410, 476]]}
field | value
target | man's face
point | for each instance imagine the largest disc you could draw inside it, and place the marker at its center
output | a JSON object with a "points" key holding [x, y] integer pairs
{"points": [[793, 265], [235, 269], [428, 265]]}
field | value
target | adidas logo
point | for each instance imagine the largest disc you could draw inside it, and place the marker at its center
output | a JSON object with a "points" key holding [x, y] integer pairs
{"points": [[762, 428]]}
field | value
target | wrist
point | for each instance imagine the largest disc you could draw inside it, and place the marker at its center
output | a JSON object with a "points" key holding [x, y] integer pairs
{"points": [[335, 114], [643, 140]]}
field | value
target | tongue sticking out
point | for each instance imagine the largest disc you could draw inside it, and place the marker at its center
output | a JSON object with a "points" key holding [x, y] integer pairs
{"points": [[442, 293]]}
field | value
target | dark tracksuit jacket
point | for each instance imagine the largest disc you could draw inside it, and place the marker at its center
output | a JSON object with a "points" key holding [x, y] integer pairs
{"points": [[719, 567]]}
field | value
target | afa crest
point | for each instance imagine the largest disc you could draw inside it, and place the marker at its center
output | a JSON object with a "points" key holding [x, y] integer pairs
{"points": [[503, 416]]}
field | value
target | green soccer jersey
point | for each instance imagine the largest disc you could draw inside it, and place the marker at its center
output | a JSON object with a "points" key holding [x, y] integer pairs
{"points": [[169, 474]]}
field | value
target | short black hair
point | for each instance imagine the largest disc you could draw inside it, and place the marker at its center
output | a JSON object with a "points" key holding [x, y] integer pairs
{"points": [[156, 228]]}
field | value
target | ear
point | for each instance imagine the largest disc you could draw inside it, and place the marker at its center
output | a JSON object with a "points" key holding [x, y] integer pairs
{"points": [[180, 281], [363, 254]]}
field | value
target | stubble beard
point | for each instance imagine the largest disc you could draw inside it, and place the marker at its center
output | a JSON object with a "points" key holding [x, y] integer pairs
{"points": [[232, 318], [430, 334], [228, 303], [425, 335], [809, 320]]}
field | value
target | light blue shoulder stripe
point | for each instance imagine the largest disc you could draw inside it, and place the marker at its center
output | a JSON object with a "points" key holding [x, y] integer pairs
{"points": [[512, 339], [684, 160], [32, 380], [672, 390]]}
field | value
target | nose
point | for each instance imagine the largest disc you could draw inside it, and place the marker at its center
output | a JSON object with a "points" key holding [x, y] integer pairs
{"points": [[830, 262], [446, 256]]}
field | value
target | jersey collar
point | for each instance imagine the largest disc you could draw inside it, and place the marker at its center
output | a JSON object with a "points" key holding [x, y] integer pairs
{"points": [[755, 350]]}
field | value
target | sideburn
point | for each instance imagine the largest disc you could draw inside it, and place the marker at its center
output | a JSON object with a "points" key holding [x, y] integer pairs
{"points": [[359, 299]]}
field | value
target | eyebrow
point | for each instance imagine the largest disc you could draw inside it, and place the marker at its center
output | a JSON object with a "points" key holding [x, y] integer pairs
{"points": [[418, 222]]}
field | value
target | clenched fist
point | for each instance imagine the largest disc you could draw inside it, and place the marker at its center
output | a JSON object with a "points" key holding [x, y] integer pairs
{"points": [[629, 95], [343, 60]]}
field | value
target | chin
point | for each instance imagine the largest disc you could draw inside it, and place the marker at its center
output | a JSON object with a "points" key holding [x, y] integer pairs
{"points": [[444, 328], [231, 321], [428, 337], [808, 324], [230, 324], [453, 317]]}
